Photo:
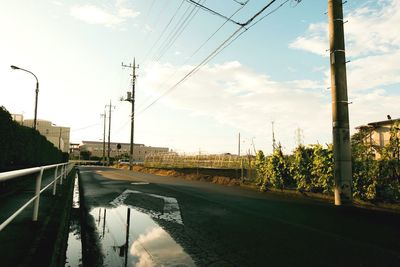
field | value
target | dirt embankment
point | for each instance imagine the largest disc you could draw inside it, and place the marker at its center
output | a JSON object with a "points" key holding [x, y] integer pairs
{"points": [[216, 176]]}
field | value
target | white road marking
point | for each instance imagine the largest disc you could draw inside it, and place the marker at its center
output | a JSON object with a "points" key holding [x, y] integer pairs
{"points": [[171, 211], [139, 183]]}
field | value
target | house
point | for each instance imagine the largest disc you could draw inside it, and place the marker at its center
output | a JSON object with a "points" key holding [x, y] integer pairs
{"points": [[378, 134]]}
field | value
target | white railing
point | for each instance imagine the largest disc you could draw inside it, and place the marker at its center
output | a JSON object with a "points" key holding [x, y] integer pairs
{"points": [[60, 172]]}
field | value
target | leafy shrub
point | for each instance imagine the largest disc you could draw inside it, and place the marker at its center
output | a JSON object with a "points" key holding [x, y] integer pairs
{"points": [[24, 147]]}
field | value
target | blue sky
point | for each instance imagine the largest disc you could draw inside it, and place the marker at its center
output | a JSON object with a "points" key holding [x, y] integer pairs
{"points": [[277, 71]]}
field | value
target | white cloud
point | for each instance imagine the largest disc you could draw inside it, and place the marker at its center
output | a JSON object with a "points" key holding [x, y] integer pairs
{"points": [[373, 106], [109, 17], [237, 96], [372, 44], [316, 40], [370, 30], [374, 71], [157, 246]]}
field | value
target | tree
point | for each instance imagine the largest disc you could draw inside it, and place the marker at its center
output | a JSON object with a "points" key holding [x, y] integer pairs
{"points": [[322, 169], [302, 166], [260, 166], [365, 167], [85, 155], [278, 172]]}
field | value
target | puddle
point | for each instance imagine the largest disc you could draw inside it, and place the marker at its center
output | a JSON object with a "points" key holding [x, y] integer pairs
{"points": [[74, 247], [75, 197], [130, 237], [140, 183], [130, 231]]}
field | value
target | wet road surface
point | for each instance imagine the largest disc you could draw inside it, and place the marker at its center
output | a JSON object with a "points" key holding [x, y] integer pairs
{"points": [[137, 219]]}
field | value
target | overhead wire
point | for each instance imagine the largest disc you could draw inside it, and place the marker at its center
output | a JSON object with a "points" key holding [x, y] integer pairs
{"points": [[178, 26], [241, 3], [180, 31], [234, 36], [148, 11], [163, 31], [213, 12], [199, 48], [157, 17]]}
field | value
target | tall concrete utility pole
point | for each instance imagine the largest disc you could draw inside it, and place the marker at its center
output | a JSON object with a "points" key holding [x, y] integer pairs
{"points": [[109, 133], [340, 109], [104, 137], [131, 98]]}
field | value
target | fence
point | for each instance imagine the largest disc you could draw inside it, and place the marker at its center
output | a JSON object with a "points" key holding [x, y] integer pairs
{"points": [[173, 160], [60, 172]]}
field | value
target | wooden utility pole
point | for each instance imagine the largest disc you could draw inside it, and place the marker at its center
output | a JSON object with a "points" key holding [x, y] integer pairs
{"points": [[131, 98], [109, 133], [340, 109], [104, 137]]}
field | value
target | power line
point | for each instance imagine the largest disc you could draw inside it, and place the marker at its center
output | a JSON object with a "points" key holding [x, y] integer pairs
{"points": [[164, 30], [234, 36], [192, 71], [169, 41], [213, 12], [199, 48], [241, 3], [180, 31], [157, 17]]}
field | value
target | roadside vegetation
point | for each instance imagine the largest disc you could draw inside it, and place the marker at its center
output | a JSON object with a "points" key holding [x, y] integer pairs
{"points": [[23, 147], [310, 169]]}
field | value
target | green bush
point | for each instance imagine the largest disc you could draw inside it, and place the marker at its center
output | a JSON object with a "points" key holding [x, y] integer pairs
{"points": [[310, 169], [24, 147], [277, 171]]}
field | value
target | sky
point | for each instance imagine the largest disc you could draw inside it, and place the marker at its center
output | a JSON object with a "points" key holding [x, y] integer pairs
{"points": [[276, 71]]}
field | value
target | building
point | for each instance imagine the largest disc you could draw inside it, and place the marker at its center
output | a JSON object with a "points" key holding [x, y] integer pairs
{"points": [[74, 150], [140, 151], [18, 118], [58, 135], [379, 134]]}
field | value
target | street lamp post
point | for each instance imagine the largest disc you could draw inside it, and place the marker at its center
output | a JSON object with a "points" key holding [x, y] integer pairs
{"points": [[36, 91]]}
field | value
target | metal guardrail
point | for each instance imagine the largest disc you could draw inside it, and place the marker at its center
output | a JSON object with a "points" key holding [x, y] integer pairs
{"points": [[60, 172]]}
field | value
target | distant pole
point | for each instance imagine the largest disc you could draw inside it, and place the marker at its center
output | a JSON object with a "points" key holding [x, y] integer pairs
{"points": [[131, 98], [109, 133], [104, 136], [239, 146], [340, 110], [273, 138], [59, 140], [254, 146]]}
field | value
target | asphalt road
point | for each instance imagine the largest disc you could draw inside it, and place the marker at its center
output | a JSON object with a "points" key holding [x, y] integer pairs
{"points": [[232, 226]]}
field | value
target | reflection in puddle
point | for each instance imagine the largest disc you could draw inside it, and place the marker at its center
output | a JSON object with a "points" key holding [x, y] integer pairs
{"points": [[74, 247], [74, 250], [148, 243], [75, 197]]}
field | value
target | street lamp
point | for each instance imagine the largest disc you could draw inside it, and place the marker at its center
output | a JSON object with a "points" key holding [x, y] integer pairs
{"points": [[37, 91]]}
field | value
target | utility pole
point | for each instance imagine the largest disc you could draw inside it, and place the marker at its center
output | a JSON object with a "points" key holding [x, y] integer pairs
{"points": [[254, 147], [109, 133], [298, 137], [104, 137], [239, 146], [273, 138], [340, 109], [131, 98], [59, 140]]}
